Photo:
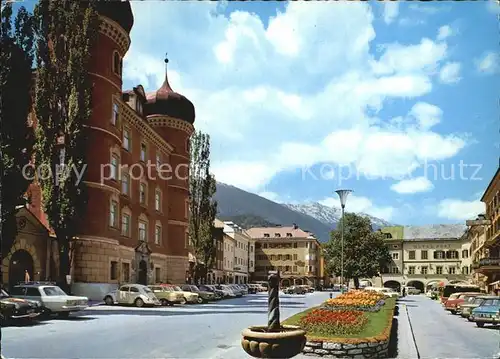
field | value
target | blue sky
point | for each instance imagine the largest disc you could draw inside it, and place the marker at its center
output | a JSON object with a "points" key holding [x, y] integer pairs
{"points": [[398, 95]]}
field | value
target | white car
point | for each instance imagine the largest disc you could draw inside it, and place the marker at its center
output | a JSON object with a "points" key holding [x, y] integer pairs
{"points": [[53, 299], [136, 294], [110, 298], [387, 291]]}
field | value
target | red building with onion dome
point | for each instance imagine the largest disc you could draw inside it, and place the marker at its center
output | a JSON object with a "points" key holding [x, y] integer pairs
{"points": [[136, 226]]}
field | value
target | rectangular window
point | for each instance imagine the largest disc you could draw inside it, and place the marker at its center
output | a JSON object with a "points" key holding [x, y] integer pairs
{"points": [[126, 139], [142, 193], [438, 254], [125, 184], [395, 256], [411, 270], [158, 200], [113, 213], [411, 255], [157, 235], [295, 257], [158, 161], [143, 152], [113, 270], [439, 270], [424, 270], [143, 232], [423, 255], [451, 270], [158, 275], [116, 114], [125, 272], [125, 225], [394, 270], [114, 167]]}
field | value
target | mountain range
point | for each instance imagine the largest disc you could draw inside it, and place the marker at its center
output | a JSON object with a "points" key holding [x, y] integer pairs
{"points": [[250, 210]]}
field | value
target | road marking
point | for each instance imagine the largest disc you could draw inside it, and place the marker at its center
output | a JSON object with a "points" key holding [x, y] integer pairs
{"points": [[411, 329]]}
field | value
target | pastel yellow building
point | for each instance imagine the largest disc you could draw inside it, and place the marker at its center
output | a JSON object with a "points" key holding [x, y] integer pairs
{"points": [[294, 252]]}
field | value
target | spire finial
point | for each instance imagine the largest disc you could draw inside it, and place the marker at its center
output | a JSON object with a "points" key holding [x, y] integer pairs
{"points": [[166, 57], [166, 85]]}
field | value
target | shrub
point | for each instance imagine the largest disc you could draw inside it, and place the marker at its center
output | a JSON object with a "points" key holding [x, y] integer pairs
{"points": [[334, 322]]}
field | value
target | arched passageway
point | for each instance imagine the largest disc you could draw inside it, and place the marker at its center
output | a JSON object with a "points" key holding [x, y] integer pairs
{"points": [[299, 282], [416, 284], [20, 262], [393, 284], [143, 273], [285, 283]]}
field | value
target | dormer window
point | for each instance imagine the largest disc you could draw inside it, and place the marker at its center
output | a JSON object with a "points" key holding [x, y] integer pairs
{"points": [[388, 235], [266, 235], [138, 107], [289, 235], [277, 235]]}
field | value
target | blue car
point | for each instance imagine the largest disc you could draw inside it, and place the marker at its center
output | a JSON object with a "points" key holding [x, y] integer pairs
{"points": [[488, 312]]}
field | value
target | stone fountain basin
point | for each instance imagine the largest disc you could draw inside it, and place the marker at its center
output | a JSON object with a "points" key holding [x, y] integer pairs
{"points": [[259, 342]]}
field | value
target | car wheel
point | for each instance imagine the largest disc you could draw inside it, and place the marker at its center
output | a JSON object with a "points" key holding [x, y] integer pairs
{"points": [[109, 300], [183, 301], [453, 312], [164, 302], [139, 302], [200, 300], [468, 318], [479, 324], [63, 315]]}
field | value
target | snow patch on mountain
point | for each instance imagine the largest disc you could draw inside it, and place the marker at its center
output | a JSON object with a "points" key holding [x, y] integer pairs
{"points": [[330, 215]]}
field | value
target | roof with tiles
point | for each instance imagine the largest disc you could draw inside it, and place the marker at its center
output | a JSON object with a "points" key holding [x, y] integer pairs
{"points": [[279, 232], [434, 231]]}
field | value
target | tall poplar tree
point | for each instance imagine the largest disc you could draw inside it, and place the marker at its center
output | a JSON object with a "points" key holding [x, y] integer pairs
{"points": [[16, 141], [203, 208], [66, 33]]}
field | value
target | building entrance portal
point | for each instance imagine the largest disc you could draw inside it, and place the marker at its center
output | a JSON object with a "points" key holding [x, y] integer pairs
{"points": [[143, 273], [20, 262]]}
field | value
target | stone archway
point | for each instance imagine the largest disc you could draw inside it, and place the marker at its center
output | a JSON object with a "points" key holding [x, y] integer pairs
{"points": [[21, 244], [430, 284], [416, 284], [20, 262], [285, 283], [394, 284], [299, 282], [143, 272]]}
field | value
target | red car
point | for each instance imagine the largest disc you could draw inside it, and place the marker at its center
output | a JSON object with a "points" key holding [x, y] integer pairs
{"points": [[456, 299]]}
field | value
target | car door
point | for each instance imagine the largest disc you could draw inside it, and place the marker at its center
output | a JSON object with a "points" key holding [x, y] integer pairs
{"points": [[33, 293], [123, 295]]}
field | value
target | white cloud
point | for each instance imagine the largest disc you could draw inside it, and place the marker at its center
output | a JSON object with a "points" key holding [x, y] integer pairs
{"points": [[413, 185], [488, 63], [361, 204], [450, 73], [292, 94], [427, 115], [444, 32], [456, 209], [391, 11]]}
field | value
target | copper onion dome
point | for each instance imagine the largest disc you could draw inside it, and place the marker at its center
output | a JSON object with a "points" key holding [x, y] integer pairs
{"points": [[166, 101], [118, 11]]}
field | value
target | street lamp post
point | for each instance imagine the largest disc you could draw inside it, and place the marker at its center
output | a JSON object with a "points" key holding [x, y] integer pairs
{"points": [[343, 193]]}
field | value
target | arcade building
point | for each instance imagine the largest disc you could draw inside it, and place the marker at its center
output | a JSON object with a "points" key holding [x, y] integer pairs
{"points": [[136, 226]]}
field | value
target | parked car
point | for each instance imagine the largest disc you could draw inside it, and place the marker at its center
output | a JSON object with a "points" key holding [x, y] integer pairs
{"points": [[488, 312], [167, 295], [53, 299], [189, 297], [295, 289], [226, 290], [386, 291], [308, 288], [412, 291], [467, 299], [203, 296], [252, 288], [453, 302], [212, 289], [136, 294], [466, 308], [243, 288], [17, 309], [237, 291]]}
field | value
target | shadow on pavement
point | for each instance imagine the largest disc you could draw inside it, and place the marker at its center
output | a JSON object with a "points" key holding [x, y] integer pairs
{"points": [[405, 300], [412, 305], [23, 323], [490, 327], [245, 305], [161, 313], [396, 310], [393, 342]]}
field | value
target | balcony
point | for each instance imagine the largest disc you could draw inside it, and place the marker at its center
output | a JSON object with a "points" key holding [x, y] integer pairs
{"points": [[488, 265]]}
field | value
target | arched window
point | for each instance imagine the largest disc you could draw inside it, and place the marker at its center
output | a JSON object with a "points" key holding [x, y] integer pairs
{"points": [[143, 228], [116, 63]]}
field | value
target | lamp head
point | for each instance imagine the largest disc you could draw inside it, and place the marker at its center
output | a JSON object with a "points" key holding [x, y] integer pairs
{"points": [[343, 193]]}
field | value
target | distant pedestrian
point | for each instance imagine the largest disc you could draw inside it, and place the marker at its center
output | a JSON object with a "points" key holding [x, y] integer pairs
{"points": [[404, 291], [27, 277]]}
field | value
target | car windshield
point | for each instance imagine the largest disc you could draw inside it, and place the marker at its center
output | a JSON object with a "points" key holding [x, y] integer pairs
{"points": [[477, 301], [177, 289], [147, 290], [490, 303], [194, 288], [4, 294], [168, 289], [53, 291]]}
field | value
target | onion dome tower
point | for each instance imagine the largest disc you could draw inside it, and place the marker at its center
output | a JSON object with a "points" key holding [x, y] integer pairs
{"points": [[172, 115]]}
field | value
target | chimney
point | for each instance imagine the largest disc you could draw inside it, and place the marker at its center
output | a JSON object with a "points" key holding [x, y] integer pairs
{"points": [[295, 226]]}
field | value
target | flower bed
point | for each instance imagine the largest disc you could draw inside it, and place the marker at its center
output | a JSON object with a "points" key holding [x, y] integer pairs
{"points": [[334, 322], [357, 300]]}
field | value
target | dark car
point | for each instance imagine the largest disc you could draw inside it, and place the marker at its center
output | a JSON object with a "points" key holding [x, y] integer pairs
{"points": [[17, 309], [219, 294], [296, 289]]}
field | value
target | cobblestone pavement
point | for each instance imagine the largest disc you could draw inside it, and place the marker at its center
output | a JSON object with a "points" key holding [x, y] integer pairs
{"points": [[191, 331], [439, 334]]}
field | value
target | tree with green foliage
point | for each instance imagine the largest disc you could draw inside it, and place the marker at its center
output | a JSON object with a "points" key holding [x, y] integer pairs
{"points": [[66, 32], [203, 208], [16, 141], [365, 251]]}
